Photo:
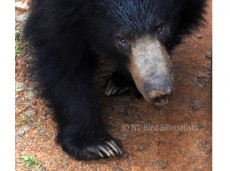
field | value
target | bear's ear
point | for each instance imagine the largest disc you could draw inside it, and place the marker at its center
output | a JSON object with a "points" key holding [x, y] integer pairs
{"points": [[191, 15]]}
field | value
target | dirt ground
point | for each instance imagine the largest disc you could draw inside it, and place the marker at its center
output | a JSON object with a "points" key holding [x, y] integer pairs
{"points": [[176, 137]]}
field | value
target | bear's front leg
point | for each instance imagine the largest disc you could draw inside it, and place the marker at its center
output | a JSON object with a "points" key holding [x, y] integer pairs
{"points": [[81, 133]]}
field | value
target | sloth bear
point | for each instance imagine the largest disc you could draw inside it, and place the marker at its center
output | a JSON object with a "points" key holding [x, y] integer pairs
{"points": [[137, 36]]}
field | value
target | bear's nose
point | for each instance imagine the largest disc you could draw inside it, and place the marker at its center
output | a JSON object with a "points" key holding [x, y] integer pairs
{"points": [[158, 89]]}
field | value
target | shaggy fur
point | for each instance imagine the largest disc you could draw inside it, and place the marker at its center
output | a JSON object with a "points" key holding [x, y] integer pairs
{"points": [[67, 35]]}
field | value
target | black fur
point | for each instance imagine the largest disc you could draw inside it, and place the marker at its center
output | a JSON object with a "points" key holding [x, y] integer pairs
{"points": [[67, 35]]}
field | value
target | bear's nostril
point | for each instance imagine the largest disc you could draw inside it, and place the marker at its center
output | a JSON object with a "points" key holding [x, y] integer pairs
{"points": [[162, 100], [158, 94]]}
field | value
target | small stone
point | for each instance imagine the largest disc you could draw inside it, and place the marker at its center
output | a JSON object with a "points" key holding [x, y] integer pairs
{"points": [[48, 111], [19, 86], [137, 118], [17, 140], [197, 169], [118, 169], [209, 68], [199, 36], [42, 169], [67, 165], [194, 105], [208, 55], [199, 126], [52, 160], [16, 24], [179, 134], [29, 112], [28, 104], [23, 130], [125, 155], [202, 75], [18, 100], [31, 87], [181, 151], [21, 6], [123, 137], [29, 95], [160, 164], [43, 117], [199, 85], [203, 142], [201, 101], [94, 168], [17, 33], [53, 136], [21, 18], [142, 147], [207, 150], [42, 131]]}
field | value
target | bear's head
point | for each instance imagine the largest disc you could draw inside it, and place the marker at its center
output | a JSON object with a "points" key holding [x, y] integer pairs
{"points": [[140, 35]]}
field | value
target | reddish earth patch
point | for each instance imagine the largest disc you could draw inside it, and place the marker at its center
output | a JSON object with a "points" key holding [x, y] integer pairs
{"points": [[143, 129]]}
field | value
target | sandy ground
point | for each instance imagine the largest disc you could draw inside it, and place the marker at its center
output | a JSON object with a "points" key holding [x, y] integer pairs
{"points": [[177, 137]]}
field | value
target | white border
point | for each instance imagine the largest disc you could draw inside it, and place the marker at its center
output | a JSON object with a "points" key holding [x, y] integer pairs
{"points": [[221, 85], [7, 76]]}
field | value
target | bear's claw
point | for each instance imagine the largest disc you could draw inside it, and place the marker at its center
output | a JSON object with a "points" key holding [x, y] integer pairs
{"points": [[112, 89], [109, 149]]}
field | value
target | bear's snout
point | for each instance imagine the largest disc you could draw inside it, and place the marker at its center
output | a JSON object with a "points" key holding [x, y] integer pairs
{"points": [[151, 69]]}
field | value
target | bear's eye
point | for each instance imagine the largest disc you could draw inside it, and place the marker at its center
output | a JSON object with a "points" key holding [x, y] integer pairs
{"points": [[160, 29], [122, 41]]}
